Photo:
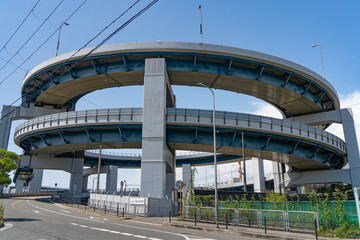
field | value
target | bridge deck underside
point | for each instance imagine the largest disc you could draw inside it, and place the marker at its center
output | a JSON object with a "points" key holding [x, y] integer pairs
{"points": [[290, 92], [302, 154]]}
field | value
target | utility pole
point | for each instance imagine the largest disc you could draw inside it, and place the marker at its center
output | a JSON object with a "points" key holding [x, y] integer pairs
{"points": [[98, 173]]}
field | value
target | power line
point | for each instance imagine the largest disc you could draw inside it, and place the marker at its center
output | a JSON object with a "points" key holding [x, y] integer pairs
{"points": [[32, 35], [20, 25], [28, 58], [92, 50]]}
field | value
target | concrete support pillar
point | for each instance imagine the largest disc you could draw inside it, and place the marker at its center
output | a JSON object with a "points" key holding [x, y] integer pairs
{"points": [[259, 177], [35, 183], [278, 172], [20, 184], [111, 179], [84, 183], [5, 125], [186, 178], [76, 176], [158, 161]]}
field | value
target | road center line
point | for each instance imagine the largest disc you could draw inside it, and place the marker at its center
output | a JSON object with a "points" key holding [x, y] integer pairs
{"points": [[13, 205]]}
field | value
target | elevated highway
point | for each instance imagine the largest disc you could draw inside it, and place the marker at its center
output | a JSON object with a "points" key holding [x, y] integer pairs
{"points": [[308, 103], [297, 145]]}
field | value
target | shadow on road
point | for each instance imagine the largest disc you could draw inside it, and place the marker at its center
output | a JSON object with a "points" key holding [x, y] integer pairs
{"points": [[21, 219], [44, 200]]}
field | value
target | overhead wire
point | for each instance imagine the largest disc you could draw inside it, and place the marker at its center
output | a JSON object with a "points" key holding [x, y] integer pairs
{"points": [[17, 29], [92, 50], [32, 35]]}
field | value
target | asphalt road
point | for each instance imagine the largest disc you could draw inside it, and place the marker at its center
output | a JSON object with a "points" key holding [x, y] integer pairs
{"points": [[38, 218]]}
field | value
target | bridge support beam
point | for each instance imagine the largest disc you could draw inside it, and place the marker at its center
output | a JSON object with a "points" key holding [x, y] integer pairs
{"points": [[35, 183], [186, 178], [76, 176], [158, 161], [111, 179], [259, 177], [11, 113], [278, 173]]}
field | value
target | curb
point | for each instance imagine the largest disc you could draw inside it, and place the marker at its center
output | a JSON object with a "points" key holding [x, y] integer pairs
{"points": [[2, 225], [244, 234]]}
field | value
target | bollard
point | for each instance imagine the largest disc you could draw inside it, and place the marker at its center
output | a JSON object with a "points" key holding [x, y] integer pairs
{"points": [[85, 207], [79, 204], [72, 203], [195, 218], [117, 210], [316, 233], [123, 213], [94, 207], [265, 224], [226, 221], [105, 209], [170, 216]]}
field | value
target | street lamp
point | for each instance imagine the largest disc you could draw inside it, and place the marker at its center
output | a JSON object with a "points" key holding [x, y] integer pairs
{"points": [[58, 41], [215, 166], [322, 61]]}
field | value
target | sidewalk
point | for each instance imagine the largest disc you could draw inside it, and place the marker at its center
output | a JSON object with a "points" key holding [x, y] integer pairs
{"points": [[208, 227]]}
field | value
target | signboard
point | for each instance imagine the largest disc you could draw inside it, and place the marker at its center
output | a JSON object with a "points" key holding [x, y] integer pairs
{"points": [[137, 201]]}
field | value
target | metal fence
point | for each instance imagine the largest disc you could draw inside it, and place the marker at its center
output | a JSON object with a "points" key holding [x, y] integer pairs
{"points": [[299, 221]]}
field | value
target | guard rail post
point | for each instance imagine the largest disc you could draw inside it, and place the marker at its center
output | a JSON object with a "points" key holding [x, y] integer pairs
{"points": [[226, 221], [265, 224], [195, 218]]}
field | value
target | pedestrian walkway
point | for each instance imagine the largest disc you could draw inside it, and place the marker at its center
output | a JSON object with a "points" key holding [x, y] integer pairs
{"points": [[208, 227]]}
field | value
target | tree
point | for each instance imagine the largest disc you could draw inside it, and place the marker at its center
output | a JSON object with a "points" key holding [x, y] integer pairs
{"points": [[7, 163]]}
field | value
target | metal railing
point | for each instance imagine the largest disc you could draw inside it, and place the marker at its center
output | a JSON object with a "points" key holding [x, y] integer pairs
{"points": [[189, 116], [298, 221]]}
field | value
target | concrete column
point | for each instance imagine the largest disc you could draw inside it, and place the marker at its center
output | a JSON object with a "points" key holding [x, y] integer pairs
{"points": [[5, 125], [35, 183], [278, 173], [259, 177], [158, 161], [186, 178], [84, 183], [76, 176], [20, 186], [111, 179]]}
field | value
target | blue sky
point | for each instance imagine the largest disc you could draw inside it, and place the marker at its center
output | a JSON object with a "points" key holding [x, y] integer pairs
{"points": [[282, 28]]}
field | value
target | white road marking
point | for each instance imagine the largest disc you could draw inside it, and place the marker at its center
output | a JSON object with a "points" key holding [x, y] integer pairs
{"points": [[116, 232], [75, 224], [139, 236], [64, 211], [118, 224], [105, 219], [35, 211], [7, 226], [83, 226], [155, 239], [127, 234]]}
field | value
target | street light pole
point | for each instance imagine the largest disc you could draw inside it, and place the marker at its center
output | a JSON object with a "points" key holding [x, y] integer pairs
{"points": [[201, 33], [322, 61], [215, 166], [58, 41], [98, 172]]}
